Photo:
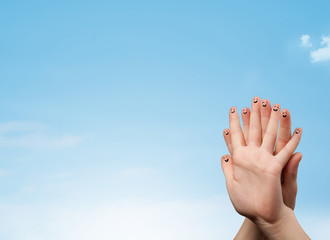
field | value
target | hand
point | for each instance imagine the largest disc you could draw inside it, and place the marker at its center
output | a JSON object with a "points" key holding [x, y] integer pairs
{"points": [[289, 173], [253, 173], [249, 230]]}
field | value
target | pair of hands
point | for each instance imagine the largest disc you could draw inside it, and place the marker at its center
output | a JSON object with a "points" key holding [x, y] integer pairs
{"points": [[261, 172]]}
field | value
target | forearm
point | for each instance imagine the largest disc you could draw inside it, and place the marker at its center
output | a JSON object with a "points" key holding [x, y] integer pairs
{"points": [[287, 227], [249, 231]]}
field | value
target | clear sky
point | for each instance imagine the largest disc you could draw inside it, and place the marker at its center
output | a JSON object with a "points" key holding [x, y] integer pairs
{"points": [[111, 113]]}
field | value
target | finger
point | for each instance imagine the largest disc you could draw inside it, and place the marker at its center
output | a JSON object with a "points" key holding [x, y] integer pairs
{"points": [[289, 180], [290, 170], [237, 138], [227, 167], [255, 125], [284, 155], [270, 136], [246, 123], [265, 111], [227, 137], [284, 132]]}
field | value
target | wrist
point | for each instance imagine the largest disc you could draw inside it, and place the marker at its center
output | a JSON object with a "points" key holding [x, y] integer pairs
{"points": [[285, 227], [274, 227], [249, 230]]}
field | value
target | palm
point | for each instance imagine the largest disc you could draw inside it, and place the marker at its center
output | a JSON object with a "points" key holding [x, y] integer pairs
{"points": [[256, 188]]}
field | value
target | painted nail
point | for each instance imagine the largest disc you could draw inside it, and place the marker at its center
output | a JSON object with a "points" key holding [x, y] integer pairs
{"points": [[264, 103], [284, 113], [232, 110], [255, 100], [225, 158], [245, 110], [276, 107], [297, 131]]}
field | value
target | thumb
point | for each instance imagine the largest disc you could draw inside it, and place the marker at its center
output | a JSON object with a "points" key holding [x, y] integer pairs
{"points": [[290, 171]]}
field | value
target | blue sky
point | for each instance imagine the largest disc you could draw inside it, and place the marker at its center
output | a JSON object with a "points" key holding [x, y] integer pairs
{"points": [[114, 110]]}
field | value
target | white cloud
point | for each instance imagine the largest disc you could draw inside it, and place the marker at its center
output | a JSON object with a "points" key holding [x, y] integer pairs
{"points": [[305, 41], [33, 135], [209, 218], [323, 53]]}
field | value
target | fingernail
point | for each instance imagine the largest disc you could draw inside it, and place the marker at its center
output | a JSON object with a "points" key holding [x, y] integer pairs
{"points": [[225, 158], [232, 110], [245, 110], [276, 107], [264, 103], [284, 113], [226, 132], [297, 131], [255, 99]]}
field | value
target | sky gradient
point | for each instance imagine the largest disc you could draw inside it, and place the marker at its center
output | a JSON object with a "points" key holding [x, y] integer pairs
{"points": [[112, 113]]}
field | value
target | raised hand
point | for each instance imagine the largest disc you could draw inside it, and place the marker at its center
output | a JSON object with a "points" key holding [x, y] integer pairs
{"points": [[253, 173], [289, 173]]}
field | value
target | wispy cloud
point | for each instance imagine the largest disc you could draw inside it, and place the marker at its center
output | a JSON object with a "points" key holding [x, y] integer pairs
{"points": [[19, 126], [209, 218], [34, 135], [136, 173], [29, 188], [4, 173], [323, 53], [305, 41]]}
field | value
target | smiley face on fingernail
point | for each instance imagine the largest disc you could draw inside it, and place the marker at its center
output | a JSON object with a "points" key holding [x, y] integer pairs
{"points": [[284, 113], [232, 110], [225, 158], [255, 100], [264, 103], [226, 132], [276, 107], [297, 131], [245, 110]]}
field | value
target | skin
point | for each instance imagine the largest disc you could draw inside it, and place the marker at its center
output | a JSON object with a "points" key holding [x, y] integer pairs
{"points": [[289, 173], [245, 110], [246, 123], [276, 107], [253, 172], [265, 112], [226, 132], [265, 102], [284, 113], [225, 158]]}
